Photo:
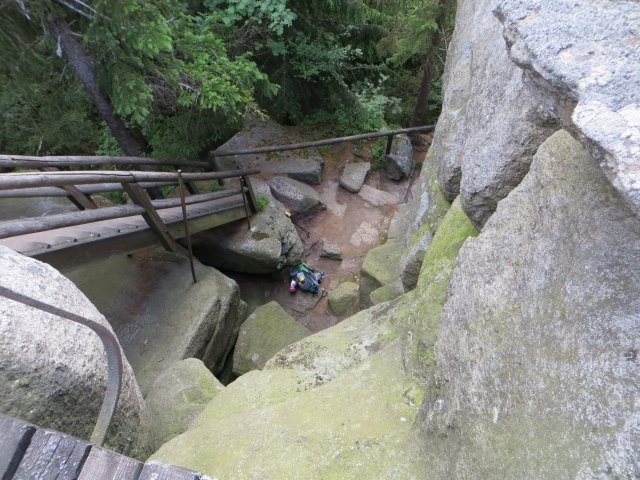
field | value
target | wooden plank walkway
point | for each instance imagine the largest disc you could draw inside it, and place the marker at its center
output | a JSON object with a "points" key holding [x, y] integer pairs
{"points": [[68, 245], [29, 453]]}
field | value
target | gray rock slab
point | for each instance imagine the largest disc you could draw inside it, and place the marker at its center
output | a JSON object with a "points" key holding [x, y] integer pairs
{"points": [[177, 397], [399, 164], [377, 198], [259, 132], [353, 176], [537, 355], [272, 243], [158, 313], [492, 118], [53, 371], [344, 299], [330, 250], [300, 198], [593, 59], [267, 330]]}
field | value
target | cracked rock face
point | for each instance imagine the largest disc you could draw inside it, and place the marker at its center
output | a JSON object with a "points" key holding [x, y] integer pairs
{"points": [[587, 50], [537, 356], [492, 119]]}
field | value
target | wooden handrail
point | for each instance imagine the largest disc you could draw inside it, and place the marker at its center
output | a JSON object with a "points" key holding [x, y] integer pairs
{"points": [[320, 143], [26, 161], [9, 181]]}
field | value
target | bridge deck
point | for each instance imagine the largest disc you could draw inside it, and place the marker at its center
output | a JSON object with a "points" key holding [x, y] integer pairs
{"points": [[28, 452], [82, 242]]}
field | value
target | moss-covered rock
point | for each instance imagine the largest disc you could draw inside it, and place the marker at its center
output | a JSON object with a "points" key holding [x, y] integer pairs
{"points": [[421, 322], [537, 352], [177, 397], [386, 293], [381, 266], [268, 329], [428, 208], [344, 298], [354, 427]]}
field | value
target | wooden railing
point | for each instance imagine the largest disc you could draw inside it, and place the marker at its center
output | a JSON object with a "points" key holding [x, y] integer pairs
{"points": [[79, 185]]}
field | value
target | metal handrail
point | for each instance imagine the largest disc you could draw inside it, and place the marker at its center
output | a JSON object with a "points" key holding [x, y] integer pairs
{"points": [[111, 347]]}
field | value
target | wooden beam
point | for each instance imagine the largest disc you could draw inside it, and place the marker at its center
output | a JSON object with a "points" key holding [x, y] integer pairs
{"points": [[140, 197], [10, 181], [85, 189], [251, 196], [191, 199], [319, 143], [24, 161], [24, 226], [53, 455], [79, 199], [15, 437], [103, 464]]}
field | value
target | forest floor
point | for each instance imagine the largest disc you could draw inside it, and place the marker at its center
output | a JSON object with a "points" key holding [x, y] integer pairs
{"points": [[349, 222]]}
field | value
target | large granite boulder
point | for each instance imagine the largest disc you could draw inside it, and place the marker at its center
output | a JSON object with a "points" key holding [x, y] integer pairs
{"points": [[344, 298], [298, 197], [590, 65], [380, 267], [492, 119], [53, 371], [177, 397], [399, 163], [259, 132], [271, 244], [158, 313], [425, 212], [537, 357], [267, 330], [353, 176]]}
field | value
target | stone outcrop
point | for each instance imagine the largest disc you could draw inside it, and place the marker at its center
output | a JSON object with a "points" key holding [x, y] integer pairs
{"points": [[270, 245], [344, 298], [537, 354], [377, 198], [399, 163], [380, 267], [353, 176], [330, 250], [158, 313], [492, 118], [53, 371], [259, 132], [267, 330], [177, 397], [591, 63], [299, 198]]}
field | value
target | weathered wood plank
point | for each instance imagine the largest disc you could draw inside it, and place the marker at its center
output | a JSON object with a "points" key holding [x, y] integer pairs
{"points": [[24, 226], [52, 456], [24, 161], [10, 181], [103, 464], [161, 471], [140, 197], [14, 440]]}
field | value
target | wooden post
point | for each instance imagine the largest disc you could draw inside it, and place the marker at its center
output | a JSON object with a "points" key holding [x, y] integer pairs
{"points": [[140, 197], [251, 196], [389, 144]]}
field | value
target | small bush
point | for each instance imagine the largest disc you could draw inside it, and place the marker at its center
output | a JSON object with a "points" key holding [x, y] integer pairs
{"points": [[262, 203]]}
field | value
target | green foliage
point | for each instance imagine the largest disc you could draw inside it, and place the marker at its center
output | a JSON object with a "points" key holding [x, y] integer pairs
{"points": [[263, 202], [118, 197], [377, 154], [273, 12]]}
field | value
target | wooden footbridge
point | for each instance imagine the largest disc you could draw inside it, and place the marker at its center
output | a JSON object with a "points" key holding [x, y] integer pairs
{"points": [[80, 235]]}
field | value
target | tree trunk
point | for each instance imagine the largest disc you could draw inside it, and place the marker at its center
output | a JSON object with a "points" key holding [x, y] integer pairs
{"points": [[82, 64], [427, 74]]}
